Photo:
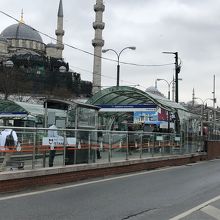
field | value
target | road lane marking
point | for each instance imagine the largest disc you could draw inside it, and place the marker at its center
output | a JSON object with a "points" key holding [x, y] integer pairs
{"points": [[199, 207], [212, 211], [86, 183]]}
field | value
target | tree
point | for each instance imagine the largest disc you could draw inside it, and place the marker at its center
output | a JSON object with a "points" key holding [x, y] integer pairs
{"points": [[13, 81], [6, 85]]}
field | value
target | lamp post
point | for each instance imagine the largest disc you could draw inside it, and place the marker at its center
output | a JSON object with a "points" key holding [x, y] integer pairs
{"points": [[214, 112], [177, 70], [202, 111], [169, 84], [118, 59]]}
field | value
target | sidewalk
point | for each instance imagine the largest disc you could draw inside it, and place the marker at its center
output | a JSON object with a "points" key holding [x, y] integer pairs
{"points": [[209, 210]]}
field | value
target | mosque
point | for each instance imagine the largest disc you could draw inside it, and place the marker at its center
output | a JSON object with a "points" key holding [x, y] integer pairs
{"points": [[20, 38], [24, 47]]}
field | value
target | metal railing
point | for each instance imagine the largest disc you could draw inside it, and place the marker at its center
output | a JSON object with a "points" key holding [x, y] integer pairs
{"points": [[77, 146]]}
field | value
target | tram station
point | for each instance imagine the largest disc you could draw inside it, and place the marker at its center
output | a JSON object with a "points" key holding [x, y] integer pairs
{"points": [[116, 123]]}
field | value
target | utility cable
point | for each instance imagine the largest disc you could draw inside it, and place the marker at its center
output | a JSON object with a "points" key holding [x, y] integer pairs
{"points": [[84, 51]]}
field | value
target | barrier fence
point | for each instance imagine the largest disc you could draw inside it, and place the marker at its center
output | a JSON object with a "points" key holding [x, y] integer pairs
{"points": [[38, 149]]}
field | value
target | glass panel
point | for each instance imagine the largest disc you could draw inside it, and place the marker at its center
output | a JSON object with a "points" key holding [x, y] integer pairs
{"points": [[86, 117], [147, 145], [118, 146]]}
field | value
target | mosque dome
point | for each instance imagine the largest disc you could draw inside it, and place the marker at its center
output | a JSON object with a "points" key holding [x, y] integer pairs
{"points": [[154, 90], [21, 31]]}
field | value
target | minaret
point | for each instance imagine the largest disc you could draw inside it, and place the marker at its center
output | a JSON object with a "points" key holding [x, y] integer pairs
{"points": [[98, 43], [193, 97], [22, 17], [60, 32]]}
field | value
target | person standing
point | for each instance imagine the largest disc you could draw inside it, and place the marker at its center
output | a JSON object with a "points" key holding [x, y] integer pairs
{"points": [[8, 140], [100, 140], [52, 133]]}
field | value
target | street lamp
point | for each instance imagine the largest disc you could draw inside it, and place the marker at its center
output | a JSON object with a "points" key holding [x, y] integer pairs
{"points": [[202, 111], [169, 84], [177, 70], [118, 59]]}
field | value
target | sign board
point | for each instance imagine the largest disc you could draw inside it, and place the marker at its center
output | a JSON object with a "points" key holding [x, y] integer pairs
{"points": [[159, 138], [13, 114], [71, 140], [128, 108], [177, 138], [145, 116], [54, 141]]}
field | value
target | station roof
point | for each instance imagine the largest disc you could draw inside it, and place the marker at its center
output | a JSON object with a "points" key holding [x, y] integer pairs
{"points": [[124, 95], [13, 109], [128, 95], [63, 104]]}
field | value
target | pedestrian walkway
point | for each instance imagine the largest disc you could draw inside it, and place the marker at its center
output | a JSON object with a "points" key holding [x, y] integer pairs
{"points": [[42, 160], [209, 210]]}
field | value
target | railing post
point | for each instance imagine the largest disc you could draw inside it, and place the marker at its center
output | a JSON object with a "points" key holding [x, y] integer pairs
{"points": [[76, 147], [64, 148], [34, 150], [89, 147], [171, 144], [45, 148], [141, 142], [109, 147], [154, 143], [194, 141], [127, 149], [162, 146], [187, 136]]}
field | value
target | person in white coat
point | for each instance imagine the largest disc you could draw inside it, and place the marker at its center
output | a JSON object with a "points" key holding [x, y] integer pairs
{"points": [[5, 145]]}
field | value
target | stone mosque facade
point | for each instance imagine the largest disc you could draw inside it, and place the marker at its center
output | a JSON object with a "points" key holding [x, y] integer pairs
{"points": [[22, 42], [42, 65], [23, 38]]}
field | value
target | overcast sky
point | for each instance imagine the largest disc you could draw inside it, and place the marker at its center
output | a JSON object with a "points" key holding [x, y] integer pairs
{"points": [[190, 27]]}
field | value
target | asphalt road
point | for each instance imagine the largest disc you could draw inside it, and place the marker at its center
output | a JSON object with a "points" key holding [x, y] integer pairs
{"points": [[159, 195]]}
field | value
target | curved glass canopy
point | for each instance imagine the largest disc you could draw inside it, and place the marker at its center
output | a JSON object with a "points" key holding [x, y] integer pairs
{"points": [[124, 95], [130, 95]]}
